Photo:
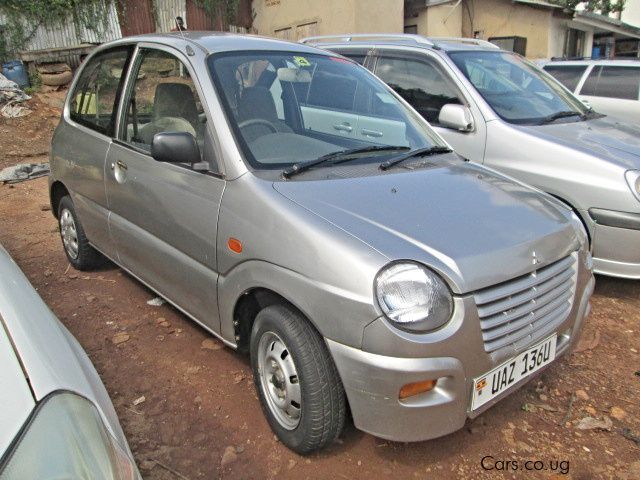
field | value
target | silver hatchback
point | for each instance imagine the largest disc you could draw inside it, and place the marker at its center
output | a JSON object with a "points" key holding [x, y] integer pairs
{"points": [[294, 206]]}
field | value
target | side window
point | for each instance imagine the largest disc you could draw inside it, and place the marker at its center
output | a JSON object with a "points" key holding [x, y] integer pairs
{"points": [[568, 75], [163, 99], [94, 99], [613, 82], [421, 84], [591, 83]]}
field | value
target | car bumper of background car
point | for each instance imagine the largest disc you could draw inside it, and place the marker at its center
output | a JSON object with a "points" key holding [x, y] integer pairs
{"points": [[616, 243], [372, 381]]}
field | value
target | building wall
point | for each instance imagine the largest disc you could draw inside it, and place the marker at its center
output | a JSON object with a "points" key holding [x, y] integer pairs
{"points": [[558, 33], [438, 21], [295, 19], [502, 18]]}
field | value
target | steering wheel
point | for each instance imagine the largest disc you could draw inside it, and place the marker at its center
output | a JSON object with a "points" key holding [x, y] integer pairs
{"points": [[258, 121]]}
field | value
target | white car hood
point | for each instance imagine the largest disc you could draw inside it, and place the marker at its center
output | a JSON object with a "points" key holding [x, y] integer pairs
{"points": [[16, 400]]}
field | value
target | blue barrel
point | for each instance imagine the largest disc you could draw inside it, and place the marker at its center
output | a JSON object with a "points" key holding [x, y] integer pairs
{"points": [[15, 71]]}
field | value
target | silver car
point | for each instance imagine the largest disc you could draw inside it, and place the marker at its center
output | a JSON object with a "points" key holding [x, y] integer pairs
{"points": [[496, 108], [56, 419], [609, 86], [293, 205]]}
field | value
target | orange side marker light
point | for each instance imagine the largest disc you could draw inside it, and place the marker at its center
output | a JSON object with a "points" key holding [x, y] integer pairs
{"points": [[411, 389], [234, 245]]}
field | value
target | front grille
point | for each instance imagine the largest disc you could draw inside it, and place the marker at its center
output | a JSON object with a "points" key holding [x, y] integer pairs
{"points": [[525, 309]]}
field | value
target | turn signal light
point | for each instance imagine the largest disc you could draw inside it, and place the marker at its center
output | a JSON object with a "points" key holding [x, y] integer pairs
{"points": [[234, 245], [411, 389]]}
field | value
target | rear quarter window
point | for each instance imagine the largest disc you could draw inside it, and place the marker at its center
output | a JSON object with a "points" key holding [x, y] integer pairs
{"points": [[568, 75], [95, 96], [613, 82]]}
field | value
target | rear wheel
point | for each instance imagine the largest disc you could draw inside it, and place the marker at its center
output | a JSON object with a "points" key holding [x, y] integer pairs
{"points": [[76, 246], [297, 382]]}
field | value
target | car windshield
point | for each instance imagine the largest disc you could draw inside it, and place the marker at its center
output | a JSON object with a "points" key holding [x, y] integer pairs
{"points": [[290, 108], [517, 90]]}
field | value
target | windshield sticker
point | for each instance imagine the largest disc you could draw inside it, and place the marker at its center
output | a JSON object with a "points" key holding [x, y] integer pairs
{"points": [[301, 62]]}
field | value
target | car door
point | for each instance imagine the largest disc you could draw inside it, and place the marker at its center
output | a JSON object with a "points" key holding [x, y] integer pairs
{"points": [[163, 216], [427, 85], [83, 138], [614, 90]]}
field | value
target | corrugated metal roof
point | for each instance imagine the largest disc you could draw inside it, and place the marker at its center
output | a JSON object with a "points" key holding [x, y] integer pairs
{"points": [[539, 3]]}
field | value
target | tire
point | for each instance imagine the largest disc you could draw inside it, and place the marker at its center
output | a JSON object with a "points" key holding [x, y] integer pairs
{"points": [[281, 332], [74, 241]]}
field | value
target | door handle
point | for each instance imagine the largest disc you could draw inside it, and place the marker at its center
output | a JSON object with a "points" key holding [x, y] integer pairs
{"points": [[371, 133], [343, 127], [121, 165]]}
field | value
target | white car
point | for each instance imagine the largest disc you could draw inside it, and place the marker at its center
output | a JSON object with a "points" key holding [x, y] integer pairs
{"points": [[611, 87], [56, 419]]}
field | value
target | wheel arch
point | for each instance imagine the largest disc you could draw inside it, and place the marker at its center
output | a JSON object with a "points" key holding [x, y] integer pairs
{"points": [[247, 307], [57, 191]]}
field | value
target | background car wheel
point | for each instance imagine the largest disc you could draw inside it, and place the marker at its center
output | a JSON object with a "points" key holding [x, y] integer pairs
{"points": [[297, 382], [76, 246]]}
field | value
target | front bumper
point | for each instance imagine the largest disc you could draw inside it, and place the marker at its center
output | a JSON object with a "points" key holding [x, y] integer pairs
{"points": [[616, 243], [372, 380]]}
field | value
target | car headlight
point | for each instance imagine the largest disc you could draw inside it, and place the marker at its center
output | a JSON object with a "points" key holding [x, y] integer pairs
{"points": [[66, 438], [633, 180], [413, 297]]}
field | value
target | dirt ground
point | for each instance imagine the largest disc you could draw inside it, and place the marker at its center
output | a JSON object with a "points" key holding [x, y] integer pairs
{"points": [[199, 398]]}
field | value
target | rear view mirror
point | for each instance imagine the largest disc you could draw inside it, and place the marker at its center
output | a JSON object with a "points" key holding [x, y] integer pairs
{"points": [[456, 117], [175, 147]]}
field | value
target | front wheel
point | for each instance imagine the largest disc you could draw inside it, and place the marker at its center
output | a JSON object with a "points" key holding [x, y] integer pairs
{"points": [[297, 382]]}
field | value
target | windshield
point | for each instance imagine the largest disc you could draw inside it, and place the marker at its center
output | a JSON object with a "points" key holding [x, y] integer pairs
{"points": [[518, 91], [286, 108]]}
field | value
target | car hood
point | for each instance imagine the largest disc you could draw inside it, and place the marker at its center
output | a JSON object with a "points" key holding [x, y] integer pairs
{"points": [[603, 137], [15, 396], [51, 357], [475, 226]]}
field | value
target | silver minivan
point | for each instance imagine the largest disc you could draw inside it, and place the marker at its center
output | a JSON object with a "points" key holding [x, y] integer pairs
{"points": [[293, 205], [496, 108]]}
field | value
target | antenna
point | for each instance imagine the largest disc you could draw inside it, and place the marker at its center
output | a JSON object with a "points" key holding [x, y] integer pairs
{"points": [[179, 27]]}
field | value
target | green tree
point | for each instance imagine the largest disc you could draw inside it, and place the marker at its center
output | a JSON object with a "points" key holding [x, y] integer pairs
{"points": [[605, 7]]}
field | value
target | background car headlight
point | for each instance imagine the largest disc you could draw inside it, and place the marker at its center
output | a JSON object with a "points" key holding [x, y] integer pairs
{"points": [[413, 297], [633, 179], [66, 438]]}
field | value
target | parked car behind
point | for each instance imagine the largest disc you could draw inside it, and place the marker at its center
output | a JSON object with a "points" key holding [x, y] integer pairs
{"points": [[498, 109], [56, 419], [293, 205], [611, 87]]}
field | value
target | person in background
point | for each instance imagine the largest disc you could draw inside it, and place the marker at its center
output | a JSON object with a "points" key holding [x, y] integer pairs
{"points": [[180, 27]]}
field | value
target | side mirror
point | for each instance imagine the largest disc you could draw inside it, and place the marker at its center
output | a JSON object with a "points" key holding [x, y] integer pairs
{"points": [[175, 147], [456, 117]]}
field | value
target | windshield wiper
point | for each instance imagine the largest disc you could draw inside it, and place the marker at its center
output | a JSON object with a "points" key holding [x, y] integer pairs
{"points": [[337, 157], [420, 152], [562, 114]]}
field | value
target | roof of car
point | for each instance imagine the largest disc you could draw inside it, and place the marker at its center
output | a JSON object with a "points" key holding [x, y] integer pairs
{"points": [[213, 42], [612, 62], [410, 40]]}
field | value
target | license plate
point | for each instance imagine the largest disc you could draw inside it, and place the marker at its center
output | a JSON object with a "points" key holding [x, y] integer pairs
{"points": [[492, 384]]}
